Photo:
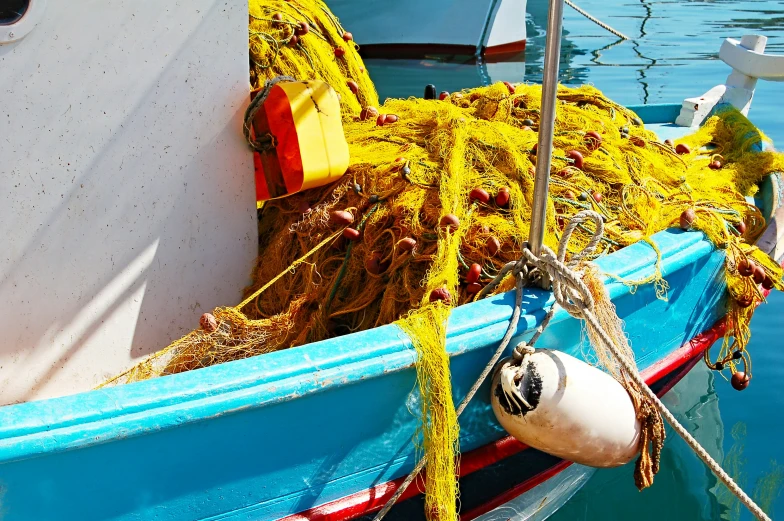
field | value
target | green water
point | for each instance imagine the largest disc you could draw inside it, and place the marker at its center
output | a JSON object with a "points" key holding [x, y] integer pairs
{"points": [[673, 56]]}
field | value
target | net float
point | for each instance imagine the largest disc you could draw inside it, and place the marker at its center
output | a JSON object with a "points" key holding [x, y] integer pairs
{"points": [[352, 85], [668, 142], [567, 408], [745, 301], [341, 217], [294, 40], [440, 294], [525, 129], [351, 234], [474, 272], [391, 118], [740, 380], [340, 52], [473, 288], [430, 91], [347, 36], [597, 197], [374, 265], [593, 140], [583, 196], [510, 87], [479, 194], [493, 246], [450, 222], [302, 29], [577, 157], [637, 141], [682, 148], [687, 219], [208, 322], [768, 283], [534, 149], [502, 197], [407, 244], [405, 171], [745, 268], [443, 95], [368, 113], [303, 207], [715, 165], [741, 227], [277, 17], [381, 119], [528, 122], [759, 274], [569, 195]]}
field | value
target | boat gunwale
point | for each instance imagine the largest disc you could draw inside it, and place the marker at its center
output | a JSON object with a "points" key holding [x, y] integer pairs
{"points": [[98, 416]]}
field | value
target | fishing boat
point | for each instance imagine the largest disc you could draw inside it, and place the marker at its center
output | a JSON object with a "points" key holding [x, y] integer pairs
{"points": [[492, 28], [128, 209]]}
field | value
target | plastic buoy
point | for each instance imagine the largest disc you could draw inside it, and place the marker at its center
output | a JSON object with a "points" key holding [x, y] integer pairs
{"points": [[687, 219], [444, 95], [493, 246], [440, 294], [351, 234], [502, 197], [407, 244], [768, 283], [473, 288], [208, 322], [368, 113], [741, 227], [294, 40], [592, 139], [374, 265], [759, 274], [597, 197], [391, 118], [577, 412], [450, 222], [302, 28], [510, 87], [381, 119], [277, 17], [430, 91], [715, 165], [340, 52], [478, 194], [745, 301], [347, 36], [740, 380], [577, 157], [474, 272], [745, 268], [352, 85], [341, 218], [682, 149]]}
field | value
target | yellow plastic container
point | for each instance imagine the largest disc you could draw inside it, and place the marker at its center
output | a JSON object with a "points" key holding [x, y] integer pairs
{"points": [[307, 147]]}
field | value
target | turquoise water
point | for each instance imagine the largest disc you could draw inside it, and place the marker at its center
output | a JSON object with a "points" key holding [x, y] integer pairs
{"points": [[673, 56]]}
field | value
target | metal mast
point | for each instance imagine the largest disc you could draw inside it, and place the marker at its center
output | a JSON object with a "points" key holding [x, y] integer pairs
{"points": [[552, 56]]}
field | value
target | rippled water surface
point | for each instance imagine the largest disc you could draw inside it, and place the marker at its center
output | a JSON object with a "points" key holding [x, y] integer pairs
{"points": [[673, 56]]}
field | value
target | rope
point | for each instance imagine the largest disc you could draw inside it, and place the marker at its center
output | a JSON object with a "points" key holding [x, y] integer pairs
{"points": [[573, 295], [261, 143], [521, 282], [595, 20]]}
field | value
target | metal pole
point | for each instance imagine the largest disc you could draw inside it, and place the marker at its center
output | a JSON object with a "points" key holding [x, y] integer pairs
{"points": [[552, 56]]}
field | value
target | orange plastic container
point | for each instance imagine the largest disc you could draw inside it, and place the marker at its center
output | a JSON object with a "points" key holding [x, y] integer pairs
{"points": [[308, 148]]}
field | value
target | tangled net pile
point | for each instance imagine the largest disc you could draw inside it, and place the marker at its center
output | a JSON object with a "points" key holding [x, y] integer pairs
{"points": [[438, 199]]}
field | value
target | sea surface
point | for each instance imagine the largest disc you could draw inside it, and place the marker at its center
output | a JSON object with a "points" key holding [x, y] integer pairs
{"points": [[673, 55]]}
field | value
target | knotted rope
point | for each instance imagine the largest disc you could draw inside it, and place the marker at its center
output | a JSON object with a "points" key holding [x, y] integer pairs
{"points": [[595, 20], [261, 143], [573, 294]]}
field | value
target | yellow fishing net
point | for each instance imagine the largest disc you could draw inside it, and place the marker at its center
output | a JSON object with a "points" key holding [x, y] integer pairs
{"points": [[436, 202]]}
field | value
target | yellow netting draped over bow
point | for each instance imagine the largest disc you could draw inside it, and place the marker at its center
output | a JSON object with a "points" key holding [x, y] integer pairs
{"points": [[448, 186]]}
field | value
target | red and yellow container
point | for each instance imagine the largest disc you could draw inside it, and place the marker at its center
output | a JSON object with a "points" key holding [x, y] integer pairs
{"points": [[307, 148]]}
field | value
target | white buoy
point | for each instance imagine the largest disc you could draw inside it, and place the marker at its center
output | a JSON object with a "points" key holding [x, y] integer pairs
{"points": [[577, 412]]}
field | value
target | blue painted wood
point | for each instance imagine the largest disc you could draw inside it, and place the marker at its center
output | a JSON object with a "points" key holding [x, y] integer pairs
{"points": [[277, 434], [657, 112]]}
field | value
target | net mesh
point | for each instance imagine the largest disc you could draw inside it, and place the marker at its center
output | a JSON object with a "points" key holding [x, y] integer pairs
{"points": [[447, 186]]}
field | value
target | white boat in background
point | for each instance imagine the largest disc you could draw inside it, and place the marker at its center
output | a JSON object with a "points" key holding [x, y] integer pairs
{"points": [[415, 28]]}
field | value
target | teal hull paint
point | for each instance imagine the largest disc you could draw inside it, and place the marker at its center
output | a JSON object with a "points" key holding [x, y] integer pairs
{"points": [[277, 434]]}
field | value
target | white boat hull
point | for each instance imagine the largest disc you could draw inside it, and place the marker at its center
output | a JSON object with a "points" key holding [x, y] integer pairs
{"points": [[450, 26]]}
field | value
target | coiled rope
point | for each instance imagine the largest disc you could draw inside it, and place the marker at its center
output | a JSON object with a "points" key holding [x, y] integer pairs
{"points": [[572, 294], [595, 20]]}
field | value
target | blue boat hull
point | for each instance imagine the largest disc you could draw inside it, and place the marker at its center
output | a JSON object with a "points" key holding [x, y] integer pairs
{"points": [[278, 434]]}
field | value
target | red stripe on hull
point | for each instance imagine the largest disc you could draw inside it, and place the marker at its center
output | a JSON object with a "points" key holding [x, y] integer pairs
{"points": [[497, 53], [372, 500]]}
